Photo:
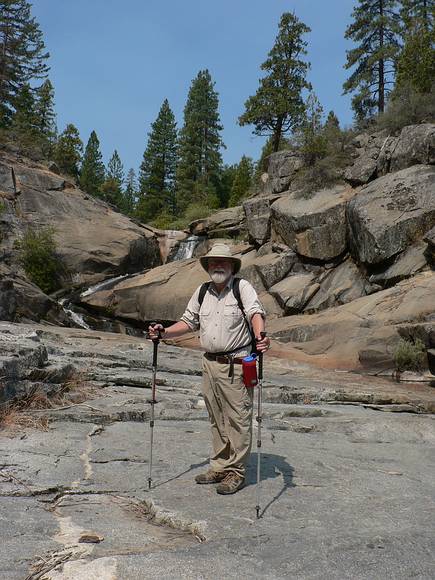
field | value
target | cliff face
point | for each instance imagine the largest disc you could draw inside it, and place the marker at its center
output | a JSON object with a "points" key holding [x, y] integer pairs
{"points": [[94, 241], [341, 271]]}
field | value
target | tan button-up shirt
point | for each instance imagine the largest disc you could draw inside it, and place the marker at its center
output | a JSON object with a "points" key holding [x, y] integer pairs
{"points": [[220, 320]]}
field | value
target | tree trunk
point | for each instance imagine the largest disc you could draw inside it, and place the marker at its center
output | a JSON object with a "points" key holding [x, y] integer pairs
{"points": [[277, 136], [381, 83]]}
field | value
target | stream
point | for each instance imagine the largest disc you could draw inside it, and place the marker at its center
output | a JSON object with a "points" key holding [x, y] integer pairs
{"points": [[79, 316]]}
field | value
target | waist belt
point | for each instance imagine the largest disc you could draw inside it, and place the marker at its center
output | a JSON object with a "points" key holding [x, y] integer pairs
{"points": [[225, 359]]}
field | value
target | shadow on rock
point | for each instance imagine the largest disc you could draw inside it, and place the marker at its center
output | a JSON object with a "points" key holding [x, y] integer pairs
{"points": [[191, 468], [272, 466]]}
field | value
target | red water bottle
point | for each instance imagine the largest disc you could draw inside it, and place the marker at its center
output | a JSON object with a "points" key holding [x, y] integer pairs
{"points": [[249, 370]]}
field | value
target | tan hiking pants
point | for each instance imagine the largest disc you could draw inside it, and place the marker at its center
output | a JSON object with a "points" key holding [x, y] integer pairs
{"points": [[229, 408]]}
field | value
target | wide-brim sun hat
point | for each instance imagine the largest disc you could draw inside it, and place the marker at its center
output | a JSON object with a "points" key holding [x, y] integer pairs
{"points": [[221, 251]]}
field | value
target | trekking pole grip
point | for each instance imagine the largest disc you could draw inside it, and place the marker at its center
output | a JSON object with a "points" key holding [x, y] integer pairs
{"points": [[260, 360]]}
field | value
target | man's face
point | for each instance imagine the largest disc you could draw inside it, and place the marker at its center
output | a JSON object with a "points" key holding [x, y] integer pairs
{"points": [[220, 270]]}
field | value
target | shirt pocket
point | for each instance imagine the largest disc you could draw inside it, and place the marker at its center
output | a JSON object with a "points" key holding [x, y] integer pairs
{"points": [[204, 314], [232, 315]]}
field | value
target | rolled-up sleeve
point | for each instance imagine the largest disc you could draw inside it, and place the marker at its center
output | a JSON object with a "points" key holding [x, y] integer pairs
{"points": [[191, 314], [250, 300]]}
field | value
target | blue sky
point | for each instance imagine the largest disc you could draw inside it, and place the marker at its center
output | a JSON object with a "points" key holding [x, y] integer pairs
{"points": [[113, 63]]}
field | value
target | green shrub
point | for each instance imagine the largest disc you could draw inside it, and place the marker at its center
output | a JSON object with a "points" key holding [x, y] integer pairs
{"points": [[39, 259], [193, 212], [407, 107], [409, 356], [320, 176]]}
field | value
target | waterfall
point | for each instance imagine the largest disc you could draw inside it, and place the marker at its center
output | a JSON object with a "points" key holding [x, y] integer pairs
{"points": [[101, 285], [186, 248], [74, 316]]}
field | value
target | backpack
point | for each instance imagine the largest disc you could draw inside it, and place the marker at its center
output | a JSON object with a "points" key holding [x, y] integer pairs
{"points": [[236, 291]]}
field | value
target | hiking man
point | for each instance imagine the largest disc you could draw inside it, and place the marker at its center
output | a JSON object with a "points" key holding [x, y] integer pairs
{"points": [[226, 338]]}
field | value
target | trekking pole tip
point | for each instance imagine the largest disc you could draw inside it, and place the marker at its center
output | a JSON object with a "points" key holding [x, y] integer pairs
{"points": [[149, 482], [257, 508]]}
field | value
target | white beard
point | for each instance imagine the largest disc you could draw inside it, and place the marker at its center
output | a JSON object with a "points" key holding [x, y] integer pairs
{"points": [[219, 277]]}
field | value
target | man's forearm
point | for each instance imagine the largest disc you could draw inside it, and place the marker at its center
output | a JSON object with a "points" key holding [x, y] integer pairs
{"points": [[177, 329], [257, 322]]}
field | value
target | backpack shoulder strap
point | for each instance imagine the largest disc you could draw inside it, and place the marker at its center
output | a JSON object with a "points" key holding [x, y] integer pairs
{"points": [[236, 292], [202, 293]]}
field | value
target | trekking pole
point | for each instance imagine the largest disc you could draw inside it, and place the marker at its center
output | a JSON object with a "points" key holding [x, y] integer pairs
{"points": [[153, 402], [259, 421]]}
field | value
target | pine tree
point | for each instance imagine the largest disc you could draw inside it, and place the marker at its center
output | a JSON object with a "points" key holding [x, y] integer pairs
{"points": [[92, 172], [130, 193], [417, 10], [225, 183], [22, 50], [68, 151], [332, 134], [242, 180], [45, 116], [277, 107], [375, 29], [416, 62], [157, 170], [200, 160], [111, 189], [311, 136], [23, 127]]}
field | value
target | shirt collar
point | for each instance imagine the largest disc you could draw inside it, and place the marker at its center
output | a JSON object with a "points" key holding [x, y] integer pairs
{"points": [[228, 285]]}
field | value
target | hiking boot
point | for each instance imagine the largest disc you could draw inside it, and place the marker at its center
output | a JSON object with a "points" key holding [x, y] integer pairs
{"points": [[210, 476], [232, 483]]}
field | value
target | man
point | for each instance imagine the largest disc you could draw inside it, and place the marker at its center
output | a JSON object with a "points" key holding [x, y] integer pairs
{"points": [[226, 338]]}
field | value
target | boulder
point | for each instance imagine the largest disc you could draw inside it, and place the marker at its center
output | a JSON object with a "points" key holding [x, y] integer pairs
{"points": [[282, 167], [294, 292], [163, 292], [390, 213], [37, 179], [8, 300], [367, 325], [415, 145], [429, 238], [274, 267], [315, 228], [7, 181], [257, 212], [271, 306], [406, 264], [94, 241], [339, 286], [365, 165], [229, 222]]}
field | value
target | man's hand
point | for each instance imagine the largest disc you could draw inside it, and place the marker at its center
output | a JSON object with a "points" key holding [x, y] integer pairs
{"points": [[262, 342], [155, 331]]}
